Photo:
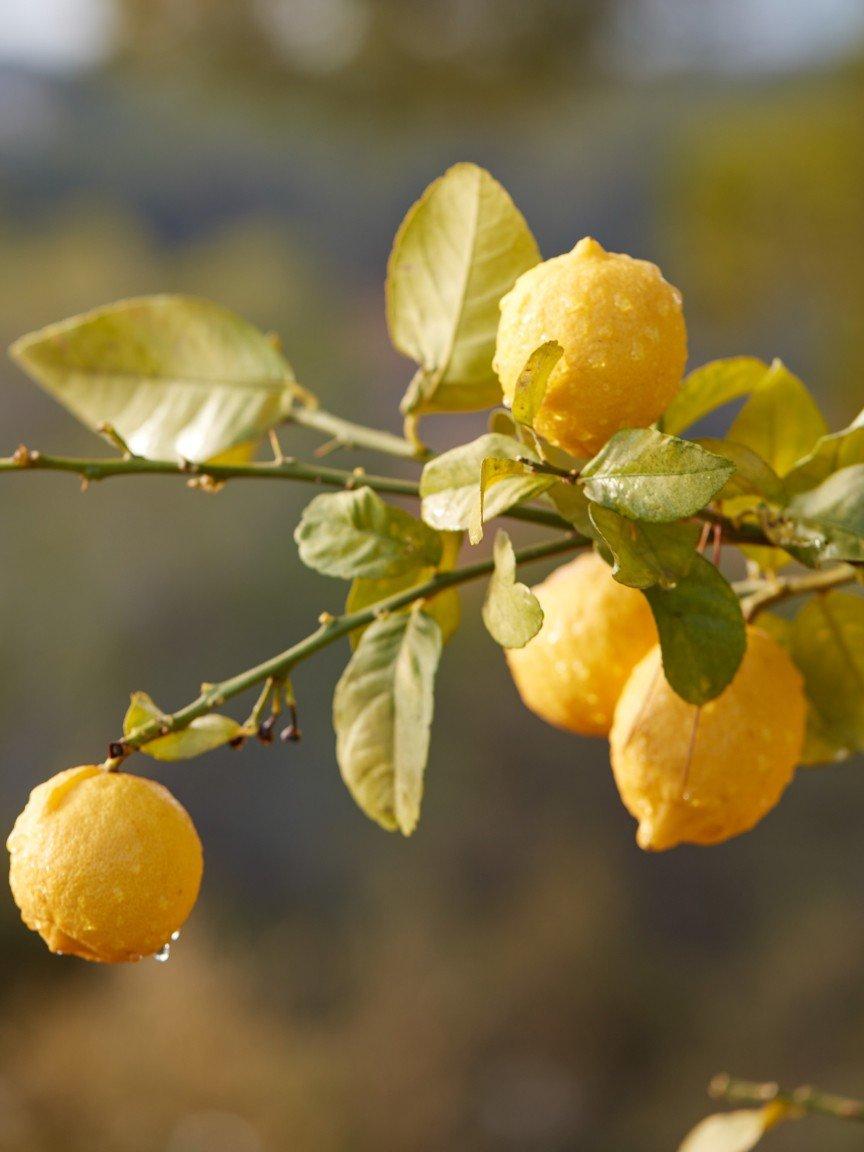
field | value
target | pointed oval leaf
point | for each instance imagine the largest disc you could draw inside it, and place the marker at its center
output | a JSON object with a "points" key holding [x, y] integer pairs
{"points": [[645, 554], [382, 714], [645, 475], [753, 476], [781, 421], [176, 376], [710, 387], [831, 453], [350, 534], [461, 247], [738, 1131], [836, 511], [533, 381], [202, 735], [511, 611], [828, 647], [702, 634], [450, 483]]}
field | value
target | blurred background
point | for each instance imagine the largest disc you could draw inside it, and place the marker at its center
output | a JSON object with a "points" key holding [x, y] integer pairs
{"points": [[518, 976]]}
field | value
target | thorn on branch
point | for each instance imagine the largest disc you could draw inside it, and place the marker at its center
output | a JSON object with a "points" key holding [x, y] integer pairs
{"points": [[23, 457]]}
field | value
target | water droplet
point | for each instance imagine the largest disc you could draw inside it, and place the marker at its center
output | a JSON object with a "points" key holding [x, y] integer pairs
{"points": [[668, 583], [175, 936], [163, 954]]}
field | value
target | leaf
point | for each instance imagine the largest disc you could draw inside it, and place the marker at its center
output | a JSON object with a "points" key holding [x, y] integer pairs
{"points": [[450, 483], [753, 476], [828, 647], [780, 421], [836, 510], [444, 608], [494, 470], [202, 735], [831, 453], [646, 554], [461, 247], [702, 634], [382, 713], [511, 612], [533, 381], [176, 376], [738, 1131], [711, 386], [648, 476], [572, 503], [352, 534]]}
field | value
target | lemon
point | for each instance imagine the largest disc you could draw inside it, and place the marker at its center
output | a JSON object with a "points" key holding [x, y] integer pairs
{"points": [[104, 865], [699, 775], [622, 330], [594, 631]]}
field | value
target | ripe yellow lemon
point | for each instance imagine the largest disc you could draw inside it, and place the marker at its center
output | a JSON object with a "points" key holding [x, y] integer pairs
{"points": [[594, 631], [699, 775], [622, 330], [104, 865]]}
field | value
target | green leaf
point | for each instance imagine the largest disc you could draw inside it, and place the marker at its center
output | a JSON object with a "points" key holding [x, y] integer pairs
{"points": [[511, 612], [780, 421], [176, 376], [572, 503], [646, 554], [494, 470], [831, 453], [202, 735], [702, 634], [648, 476], [828, 647], [461, 247], [382, 713], [738, 1131], [352, 534], [710, 387], [444, 608], [450, 483], [753, 476], [836, 511], [534, 380]]}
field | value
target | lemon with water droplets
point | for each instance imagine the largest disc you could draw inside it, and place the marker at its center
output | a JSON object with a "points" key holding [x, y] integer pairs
{"points": [[700, 775], [594, 631], [104, 865], [621, 327]]}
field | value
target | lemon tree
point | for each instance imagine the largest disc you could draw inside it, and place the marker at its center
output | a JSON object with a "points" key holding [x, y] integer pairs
{"points": [[592, 446]]}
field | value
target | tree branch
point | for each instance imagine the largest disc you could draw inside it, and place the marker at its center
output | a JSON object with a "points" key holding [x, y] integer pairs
{"points": [[331, 628], [765, 594], [806, 1100]]}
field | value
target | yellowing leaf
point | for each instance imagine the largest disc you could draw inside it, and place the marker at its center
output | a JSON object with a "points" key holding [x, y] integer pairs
{"points": [[738, 1131], [176, 376], [202, 735], [461, 247], [534, 380], [830, 453], [828, 647], [710, 387], [511, 612], [382, 713], [444, 608], [780, 421]]}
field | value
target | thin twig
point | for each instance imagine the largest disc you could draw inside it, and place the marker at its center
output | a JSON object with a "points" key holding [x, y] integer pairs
{"points": [[805, 1100], [757, 596]]}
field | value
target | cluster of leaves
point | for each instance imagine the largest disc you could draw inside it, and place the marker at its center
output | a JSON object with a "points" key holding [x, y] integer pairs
{"points": [[183, 378]]}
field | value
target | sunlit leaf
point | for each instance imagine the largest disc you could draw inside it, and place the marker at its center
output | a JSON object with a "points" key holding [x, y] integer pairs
{"points": [[461, 247], [351, 534], [450, 482], [202, 735], [781, 421], [831, 453], [572, 503], [828, 647], [533, 381], [494, 470], [710, 387], [752, 476], [738, 1131], [382, 713], [702, 634], [444, 608], [835, 510], [511, 611], [645, 554], [645, 475], [176, 376]]}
